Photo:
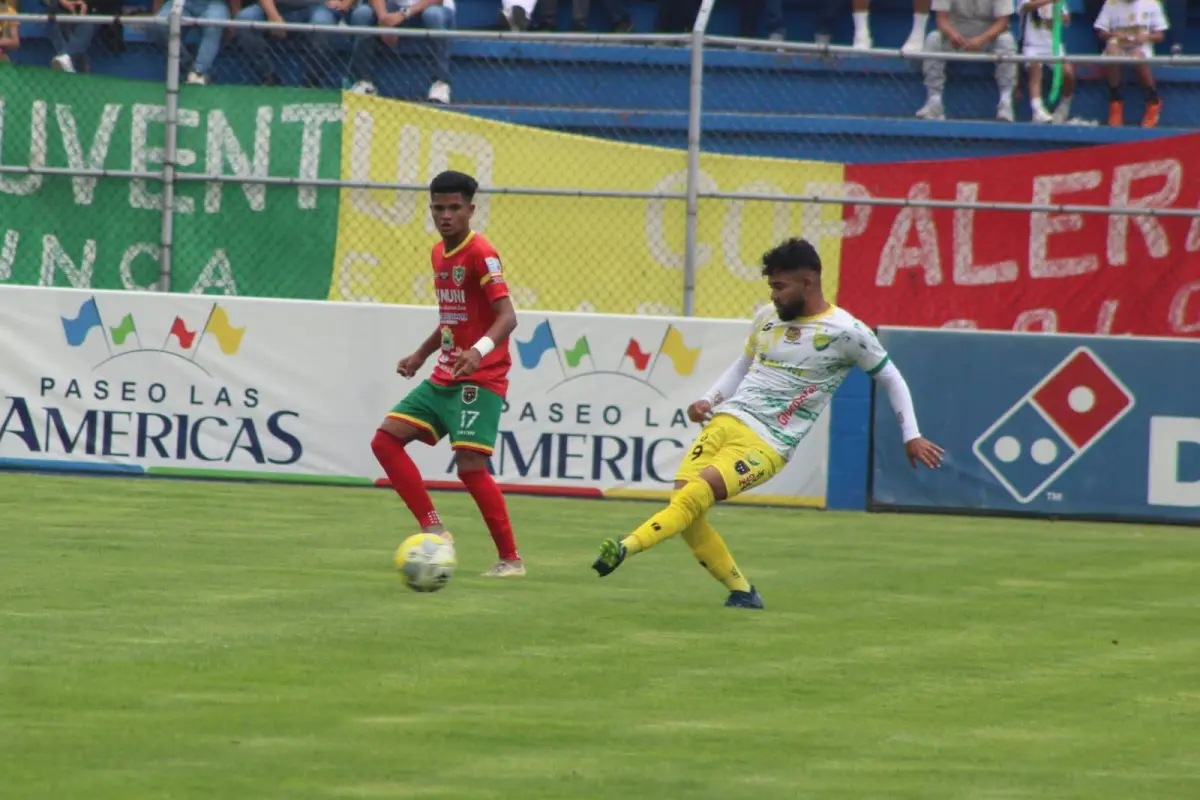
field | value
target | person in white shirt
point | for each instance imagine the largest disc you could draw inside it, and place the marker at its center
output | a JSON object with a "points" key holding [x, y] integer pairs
{"points": [[1037, 18], [1132, 28]]}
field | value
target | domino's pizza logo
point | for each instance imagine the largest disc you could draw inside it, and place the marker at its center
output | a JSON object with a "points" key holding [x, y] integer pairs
{"points": [[1045, 432]]}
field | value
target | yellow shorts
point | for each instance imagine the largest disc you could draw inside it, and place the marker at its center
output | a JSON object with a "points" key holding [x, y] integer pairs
{"points": [[738, 453]]}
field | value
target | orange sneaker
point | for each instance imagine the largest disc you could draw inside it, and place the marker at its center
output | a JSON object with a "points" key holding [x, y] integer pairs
{"points": [[1116, 114], [1150, 119]]}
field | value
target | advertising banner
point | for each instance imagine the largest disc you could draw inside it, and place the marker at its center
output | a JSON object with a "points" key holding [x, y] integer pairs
{"points": [[1065, 426], [249, 388], [1047, 271]]}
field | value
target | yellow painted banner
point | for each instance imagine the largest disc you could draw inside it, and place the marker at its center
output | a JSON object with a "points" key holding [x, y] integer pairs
{"points": [[563, 253]]}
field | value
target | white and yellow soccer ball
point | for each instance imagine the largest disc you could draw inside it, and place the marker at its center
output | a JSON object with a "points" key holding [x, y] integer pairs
{"points": [[426, 562]]}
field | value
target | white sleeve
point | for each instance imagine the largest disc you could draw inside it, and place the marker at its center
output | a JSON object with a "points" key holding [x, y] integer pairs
{"points": [[898, 395], [1158, 19], [1103, 23], [729, 381]]}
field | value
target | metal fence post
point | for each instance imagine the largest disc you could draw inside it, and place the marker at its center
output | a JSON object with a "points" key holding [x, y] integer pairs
{"points": [[695, 100], [170, 151]]}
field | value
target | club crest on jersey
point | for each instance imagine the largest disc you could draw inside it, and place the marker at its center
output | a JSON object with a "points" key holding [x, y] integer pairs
{"points": [[469, 393], [459, 275], [821, 341], [792, 335]]}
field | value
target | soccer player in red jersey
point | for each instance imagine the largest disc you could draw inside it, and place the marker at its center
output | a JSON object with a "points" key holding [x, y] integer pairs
{"points": [[464, 397]]}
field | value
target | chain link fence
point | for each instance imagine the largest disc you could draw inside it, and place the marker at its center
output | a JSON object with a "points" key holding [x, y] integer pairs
{"points": [[625, 173]]}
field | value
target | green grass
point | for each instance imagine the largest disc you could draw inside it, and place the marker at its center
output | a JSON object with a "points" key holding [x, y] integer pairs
{"points": [[167, 639]]}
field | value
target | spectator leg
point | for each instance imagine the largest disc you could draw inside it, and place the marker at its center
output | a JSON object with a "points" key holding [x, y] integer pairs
{"points": [[366, 48], [322, 51], [210, 38], [1006, 71], [254, 42], [827, 16], [934, 70], [439, 18]]}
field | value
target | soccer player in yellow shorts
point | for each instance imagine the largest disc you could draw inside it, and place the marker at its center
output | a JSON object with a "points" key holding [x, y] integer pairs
{"points": [[798, 352]]}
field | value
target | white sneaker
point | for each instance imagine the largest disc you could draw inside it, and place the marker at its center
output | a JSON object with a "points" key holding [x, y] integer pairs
{"points": [[196, 79], [1041, 115], [862, 42], [364, 87], [932, 109], [506, 569], [914, 44], [1062, 113], [1004, 111], [439, 92], [62, 63]]}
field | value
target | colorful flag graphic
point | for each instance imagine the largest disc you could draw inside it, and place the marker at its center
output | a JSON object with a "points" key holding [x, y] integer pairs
{"points": [[229, 337], [641, 359], [179, 331], [576, 353], [682, 356], [77, 329], [539, 344], [122, 331]]}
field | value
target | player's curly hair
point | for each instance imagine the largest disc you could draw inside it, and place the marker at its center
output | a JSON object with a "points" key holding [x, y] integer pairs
{"points": [[451, 182], [791, 255]]}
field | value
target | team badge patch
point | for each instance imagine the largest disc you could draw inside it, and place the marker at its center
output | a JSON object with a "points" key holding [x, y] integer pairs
{"points": [[741, 468], [469, 393], [459, 275]]}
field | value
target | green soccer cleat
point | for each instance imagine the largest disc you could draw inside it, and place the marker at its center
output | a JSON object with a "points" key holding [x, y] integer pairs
{"points": [[612, 553]]}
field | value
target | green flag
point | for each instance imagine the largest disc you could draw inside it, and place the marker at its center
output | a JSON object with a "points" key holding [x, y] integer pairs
{"points": [[122, 331], [1057, 70], [576, 353]]}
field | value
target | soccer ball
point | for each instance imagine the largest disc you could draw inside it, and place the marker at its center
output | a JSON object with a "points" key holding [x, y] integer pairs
{"points": [[426, 562]]}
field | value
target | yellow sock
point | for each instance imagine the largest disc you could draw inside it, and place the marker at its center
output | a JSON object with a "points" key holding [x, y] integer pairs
{"points": [[687, 505], [709, 549]]}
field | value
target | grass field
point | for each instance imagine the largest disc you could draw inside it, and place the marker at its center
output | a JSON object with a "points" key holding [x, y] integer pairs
{"points": [[167, 639]]}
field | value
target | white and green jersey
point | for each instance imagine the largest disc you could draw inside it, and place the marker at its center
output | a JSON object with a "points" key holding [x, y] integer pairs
{"points": [[795, 367]]}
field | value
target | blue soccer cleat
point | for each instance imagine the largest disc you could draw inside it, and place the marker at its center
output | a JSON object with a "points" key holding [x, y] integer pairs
{"points": [[612, 553], [750, 599]]}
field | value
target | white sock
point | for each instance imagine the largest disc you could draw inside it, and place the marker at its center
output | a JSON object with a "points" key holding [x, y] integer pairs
{"points": [[1006, 96], [920, 23], [934, 97], [860, 24], [1034, 102]]}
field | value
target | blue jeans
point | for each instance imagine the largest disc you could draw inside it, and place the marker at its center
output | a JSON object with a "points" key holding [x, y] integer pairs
{"points": [[68, 38], [367, 48], [254, 42], [210, 38]]}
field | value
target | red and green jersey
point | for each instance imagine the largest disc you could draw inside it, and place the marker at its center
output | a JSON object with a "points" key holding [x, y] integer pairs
{"points": [[467, 280]]}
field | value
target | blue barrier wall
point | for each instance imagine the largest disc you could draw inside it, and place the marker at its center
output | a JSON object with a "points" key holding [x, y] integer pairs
{"points": [[1064, 426]]}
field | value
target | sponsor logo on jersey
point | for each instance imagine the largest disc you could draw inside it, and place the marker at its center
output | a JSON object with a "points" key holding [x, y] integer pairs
{"points": [[452, 296], [792, 335]]}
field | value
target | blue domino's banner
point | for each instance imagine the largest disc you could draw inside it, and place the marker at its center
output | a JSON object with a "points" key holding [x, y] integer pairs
{"points": [[1083, 426]]}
